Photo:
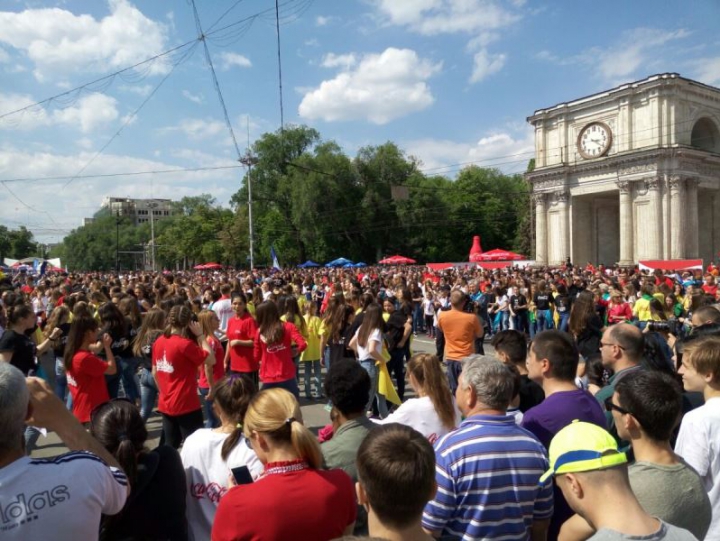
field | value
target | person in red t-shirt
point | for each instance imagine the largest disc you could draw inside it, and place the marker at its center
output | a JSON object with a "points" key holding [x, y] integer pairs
{"points": [[176, 358], [293, 498], [239, 357], [85, 370], [210, 375], [273, 349], [710, 287]]}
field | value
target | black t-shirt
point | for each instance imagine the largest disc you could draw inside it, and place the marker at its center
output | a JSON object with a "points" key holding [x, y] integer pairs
{"points": [[59, 351], [531, 394], [23, 349], [395, 328], [518, 300], [543, 301], [562, 304]]}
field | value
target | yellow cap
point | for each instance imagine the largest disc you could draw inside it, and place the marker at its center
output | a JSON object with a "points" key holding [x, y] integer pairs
{"points": [[582, 447]]}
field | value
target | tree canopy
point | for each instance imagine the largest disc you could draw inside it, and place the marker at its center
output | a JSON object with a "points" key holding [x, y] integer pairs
{"points": [[312, 201]]}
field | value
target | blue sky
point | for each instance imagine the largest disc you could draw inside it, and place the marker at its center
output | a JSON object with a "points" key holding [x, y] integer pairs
{"points": [[450, 81]]}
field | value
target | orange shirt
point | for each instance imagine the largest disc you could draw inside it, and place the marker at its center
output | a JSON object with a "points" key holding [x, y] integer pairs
{"points": [[460, 330]]}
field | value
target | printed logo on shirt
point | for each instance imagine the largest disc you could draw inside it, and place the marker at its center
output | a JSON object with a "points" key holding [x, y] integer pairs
{"points": [[71, 380], [163, 365], [276, 348], [25, 509], [211, 491]]}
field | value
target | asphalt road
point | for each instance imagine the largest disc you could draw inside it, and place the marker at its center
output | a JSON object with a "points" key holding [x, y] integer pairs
{"points": [[315, 416]]}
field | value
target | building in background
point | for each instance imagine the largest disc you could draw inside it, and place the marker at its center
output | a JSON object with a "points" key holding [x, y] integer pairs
{"points": [[139, 210], [629, 174]]}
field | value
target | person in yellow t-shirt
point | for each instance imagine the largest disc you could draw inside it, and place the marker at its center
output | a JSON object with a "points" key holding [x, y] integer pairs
{"points": [[310, 358], [641, 308]]}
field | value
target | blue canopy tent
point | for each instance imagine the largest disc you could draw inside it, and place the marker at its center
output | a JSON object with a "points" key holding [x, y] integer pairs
{"points": [[308, 264], [339, 262], [360, 264]]}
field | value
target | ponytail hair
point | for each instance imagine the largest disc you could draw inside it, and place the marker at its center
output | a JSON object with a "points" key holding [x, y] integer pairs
{"points": [[427, 371], [118, 426], [275, 413], [232, 396], [79, 327], [179, 317]]}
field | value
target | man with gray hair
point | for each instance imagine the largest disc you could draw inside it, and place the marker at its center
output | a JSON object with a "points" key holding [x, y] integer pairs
{"points": [[488, 470], [60, 498]]}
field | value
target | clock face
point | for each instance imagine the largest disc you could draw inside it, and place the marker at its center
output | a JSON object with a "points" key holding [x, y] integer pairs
{"points": [[594, 140]]}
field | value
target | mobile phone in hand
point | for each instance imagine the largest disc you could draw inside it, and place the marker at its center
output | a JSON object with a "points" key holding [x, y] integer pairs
{"points": [[242, 475]]}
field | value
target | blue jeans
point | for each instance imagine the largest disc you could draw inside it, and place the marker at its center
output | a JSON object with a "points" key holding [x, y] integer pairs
{"points": [[454, 369], [418, 320], [31, 437], [211, 421], [520, 322], [289, 385], [127, 369], [563, 321], [544, 320], [372, 370], [312, 371], [148, 393], [61, 386]]}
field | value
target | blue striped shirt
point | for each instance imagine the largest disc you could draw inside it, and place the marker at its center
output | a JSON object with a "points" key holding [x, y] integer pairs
{"points": [[488, 473]]}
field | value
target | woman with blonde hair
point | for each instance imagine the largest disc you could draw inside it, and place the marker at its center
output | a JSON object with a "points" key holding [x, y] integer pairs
{"points": [[433, 413], [295, 498]]}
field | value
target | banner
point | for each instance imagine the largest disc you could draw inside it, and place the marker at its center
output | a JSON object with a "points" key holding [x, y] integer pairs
{"points": [[274, 258]]}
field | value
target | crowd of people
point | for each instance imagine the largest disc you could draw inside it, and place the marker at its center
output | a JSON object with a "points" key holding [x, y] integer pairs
{"points": [[594, 416]]}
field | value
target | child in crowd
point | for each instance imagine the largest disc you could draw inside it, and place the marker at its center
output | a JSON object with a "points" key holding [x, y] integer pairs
{"points": [[310, 358], [428, 307]]}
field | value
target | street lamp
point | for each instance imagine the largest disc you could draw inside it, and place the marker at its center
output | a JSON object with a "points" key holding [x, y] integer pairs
{"points": [[248, 161]]}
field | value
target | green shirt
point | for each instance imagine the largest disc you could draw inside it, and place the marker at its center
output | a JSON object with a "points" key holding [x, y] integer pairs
{"points": [[341, 451]]}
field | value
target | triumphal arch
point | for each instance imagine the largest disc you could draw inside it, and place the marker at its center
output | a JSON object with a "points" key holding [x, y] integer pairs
{"points": [[629, 174]]}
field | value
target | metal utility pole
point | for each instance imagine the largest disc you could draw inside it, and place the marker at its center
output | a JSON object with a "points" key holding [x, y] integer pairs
{"points": [[248, 160], [152, 207], [117, 241]]}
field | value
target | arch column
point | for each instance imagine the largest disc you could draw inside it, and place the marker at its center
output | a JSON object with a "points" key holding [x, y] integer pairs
{"points": [[540, 227], [563, 197], [692, 223], [678, 238], [627, 256], [655, 217]]}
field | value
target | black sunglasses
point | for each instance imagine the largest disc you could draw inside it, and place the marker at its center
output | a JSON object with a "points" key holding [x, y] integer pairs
{"points": [[609, 406]]}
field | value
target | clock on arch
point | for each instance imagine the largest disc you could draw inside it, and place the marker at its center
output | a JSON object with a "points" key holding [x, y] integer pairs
{"points": [[594, 140]]}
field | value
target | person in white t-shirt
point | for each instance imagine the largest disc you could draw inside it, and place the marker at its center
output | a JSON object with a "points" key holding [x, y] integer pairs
{"points": [[209, 455], [60, 498], [699, 437], [224, 311], [433, 413], [367, 343]]}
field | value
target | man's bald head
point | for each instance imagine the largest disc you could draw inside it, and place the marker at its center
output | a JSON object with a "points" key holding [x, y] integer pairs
{"points": [[630, 340]]}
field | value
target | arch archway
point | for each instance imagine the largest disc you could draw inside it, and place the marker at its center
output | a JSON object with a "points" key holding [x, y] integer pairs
{"points": [[705, 135]]}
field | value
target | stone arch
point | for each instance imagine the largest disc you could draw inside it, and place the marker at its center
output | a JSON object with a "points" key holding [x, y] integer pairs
{"points": [[705, 135]]}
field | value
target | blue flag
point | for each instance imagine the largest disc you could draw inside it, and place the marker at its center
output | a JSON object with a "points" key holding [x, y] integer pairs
{"points": [[274, 257]]}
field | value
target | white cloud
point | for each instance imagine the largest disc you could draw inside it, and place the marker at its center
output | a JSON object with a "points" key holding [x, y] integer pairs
{"points": [[486, 64], [57, 41], [4, 56], [707, 70], [91, 111], [321, 20], [506, 150], [85, 143], [332, 60], [230, 60], [635, 50], [88, 113], [140, 90], [197, 128], [195, 98], [431, 17], [381, 88], [312, 42]]}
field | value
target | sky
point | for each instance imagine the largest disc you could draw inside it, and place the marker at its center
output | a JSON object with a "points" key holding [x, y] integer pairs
{"points": [[450, 81]]}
